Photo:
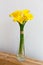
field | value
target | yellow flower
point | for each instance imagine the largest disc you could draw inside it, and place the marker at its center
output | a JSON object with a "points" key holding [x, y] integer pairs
{"points": [[16, 13], [21, 16], [18, 19], [29, 16], [25, 11]]}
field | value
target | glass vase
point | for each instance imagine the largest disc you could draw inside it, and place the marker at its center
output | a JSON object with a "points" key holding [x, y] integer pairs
{"points": [[21, 51]]}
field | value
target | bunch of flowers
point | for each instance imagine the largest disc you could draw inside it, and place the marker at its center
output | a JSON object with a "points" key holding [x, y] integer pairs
{"points": [[21, 16]]}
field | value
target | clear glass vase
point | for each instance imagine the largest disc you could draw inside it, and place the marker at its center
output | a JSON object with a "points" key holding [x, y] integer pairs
{"points": [[21, 51]]}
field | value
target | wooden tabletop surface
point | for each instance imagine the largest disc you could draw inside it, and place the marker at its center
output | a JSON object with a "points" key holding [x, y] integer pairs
{"points": [[11, 59]]}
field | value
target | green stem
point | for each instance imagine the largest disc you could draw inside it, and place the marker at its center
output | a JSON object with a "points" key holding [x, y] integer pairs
{"points": [[21, 47]]}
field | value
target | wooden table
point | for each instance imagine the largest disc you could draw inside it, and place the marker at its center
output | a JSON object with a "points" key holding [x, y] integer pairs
{"points": [[11, 59]]}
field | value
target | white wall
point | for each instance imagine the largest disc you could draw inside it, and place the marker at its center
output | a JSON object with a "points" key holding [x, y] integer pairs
{"points": [[33, 31]]}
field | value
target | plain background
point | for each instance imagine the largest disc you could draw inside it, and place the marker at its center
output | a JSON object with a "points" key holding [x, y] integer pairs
{"points": [[33, 30]]}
